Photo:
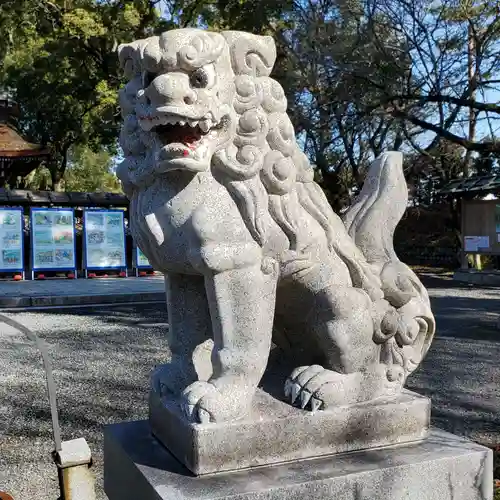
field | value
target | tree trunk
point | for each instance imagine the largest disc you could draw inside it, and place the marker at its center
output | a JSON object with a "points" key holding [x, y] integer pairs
{"points": [[57, 171], [472, 82]]}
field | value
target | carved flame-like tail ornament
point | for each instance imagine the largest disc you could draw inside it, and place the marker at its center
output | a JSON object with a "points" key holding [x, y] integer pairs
{"points": [[371, 222]]}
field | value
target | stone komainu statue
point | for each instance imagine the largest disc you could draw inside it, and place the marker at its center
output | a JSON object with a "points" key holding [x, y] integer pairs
{"points": [[223, 201]]}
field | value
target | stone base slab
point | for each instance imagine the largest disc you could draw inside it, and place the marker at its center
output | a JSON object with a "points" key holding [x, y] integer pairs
{"points": [[443, 467], [277, 432]]}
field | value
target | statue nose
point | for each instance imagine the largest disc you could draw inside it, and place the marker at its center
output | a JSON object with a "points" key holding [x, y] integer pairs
{"points": [[170, 90]]}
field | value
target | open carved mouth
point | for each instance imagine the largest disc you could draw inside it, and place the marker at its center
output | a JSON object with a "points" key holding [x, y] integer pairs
{"points": [[183, 138], [178, 133], [186, 131]]}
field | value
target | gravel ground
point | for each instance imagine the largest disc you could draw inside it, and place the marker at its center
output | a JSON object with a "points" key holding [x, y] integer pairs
{"points": [[461, 373], [102, 358]]}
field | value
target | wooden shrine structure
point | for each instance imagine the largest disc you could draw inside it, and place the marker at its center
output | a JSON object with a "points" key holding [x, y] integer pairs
{"points": [[18, 157]]}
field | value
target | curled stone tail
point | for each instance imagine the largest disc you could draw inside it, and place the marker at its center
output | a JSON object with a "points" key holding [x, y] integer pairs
{"points": [[371, 222]]}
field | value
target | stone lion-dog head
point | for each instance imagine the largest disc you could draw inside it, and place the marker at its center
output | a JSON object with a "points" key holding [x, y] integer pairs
{"points": [[199, 101]]}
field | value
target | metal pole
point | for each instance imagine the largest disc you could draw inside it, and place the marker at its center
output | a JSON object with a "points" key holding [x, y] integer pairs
{"points": [[51, 387]]}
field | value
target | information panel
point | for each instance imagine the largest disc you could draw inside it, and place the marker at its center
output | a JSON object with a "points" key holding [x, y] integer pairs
{"points": [[53, 239], [104, 239], [141, 260], [11, 236]]}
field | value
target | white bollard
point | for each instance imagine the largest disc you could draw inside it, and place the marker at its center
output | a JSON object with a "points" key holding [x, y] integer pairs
{"points": [[76, 480]]}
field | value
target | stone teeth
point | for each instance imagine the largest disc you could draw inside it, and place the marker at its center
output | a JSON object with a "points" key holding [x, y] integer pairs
{"points": [[182, 123], [205, 125], [193, 123]]}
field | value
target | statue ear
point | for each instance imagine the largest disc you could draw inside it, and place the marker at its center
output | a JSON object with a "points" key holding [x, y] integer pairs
{"points": [[129, 55], [251, 54]]}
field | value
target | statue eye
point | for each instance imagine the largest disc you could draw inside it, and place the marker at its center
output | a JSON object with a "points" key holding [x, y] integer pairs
{"points": [[203, 78], [199, 78], [147, 78]]}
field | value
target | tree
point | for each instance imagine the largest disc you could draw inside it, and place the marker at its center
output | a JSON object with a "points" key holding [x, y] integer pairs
{"points": [[90, 172], [62, 66], [360, 76], [87, 171], [454, 46]]}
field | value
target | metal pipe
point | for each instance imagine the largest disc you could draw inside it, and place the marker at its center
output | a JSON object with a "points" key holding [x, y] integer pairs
{"points": [[51, 387]]}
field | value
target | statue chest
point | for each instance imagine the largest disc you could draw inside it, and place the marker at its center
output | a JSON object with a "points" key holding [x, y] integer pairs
{"points": [[179, 216]]}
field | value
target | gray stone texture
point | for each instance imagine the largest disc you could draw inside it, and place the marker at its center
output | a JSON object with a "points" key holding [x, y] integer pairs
{"points": [[223, 201], [444, 467], [276, 432]]}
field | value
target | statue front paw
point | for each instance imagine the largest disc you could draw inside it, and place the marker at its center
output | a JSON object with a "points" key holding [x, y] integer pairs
{"points": [[313, 387], [205, 402]]}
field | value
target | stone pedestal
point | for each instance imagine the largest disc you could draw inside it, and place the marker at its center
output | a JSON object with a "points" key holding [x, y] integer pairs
{"points": [[275, 431], [443, 467]]}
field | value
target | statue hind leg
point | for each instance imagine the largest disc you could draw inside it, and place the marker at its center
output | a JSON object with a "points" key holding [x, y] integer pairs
{"points": [[342, 322]]}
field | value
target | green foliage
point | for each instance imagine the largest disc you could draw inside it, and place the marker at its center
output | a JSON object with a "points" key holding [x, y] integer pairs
{"points": [[87, 171], [360, 76], [90, 171], [61, 64]]}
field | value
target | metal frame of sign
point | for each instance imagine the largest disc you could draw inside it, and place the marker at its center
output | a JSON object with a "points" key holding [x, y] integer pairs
{"points": [[16, 269], [136, 261], [84, 238], [33, 211]]}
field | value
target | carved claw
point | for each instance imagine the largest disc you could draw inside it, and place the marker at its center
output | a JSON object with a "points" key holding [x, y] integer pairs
{"points": [[316, 404], [188, 410], [313, 384], [203, 416], [305, 397], [204, 402], [295, 392]]}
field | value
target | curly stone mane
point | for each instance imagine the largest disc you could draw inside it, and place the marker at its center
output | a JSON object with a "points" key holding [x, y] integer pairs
{"points": [[264, 168]]}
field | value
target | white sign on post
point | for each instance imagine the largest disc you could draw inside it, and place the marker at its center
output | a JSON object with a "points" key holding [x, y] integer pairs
{"points": [[11, 238], [104, 239], [474, 243]]}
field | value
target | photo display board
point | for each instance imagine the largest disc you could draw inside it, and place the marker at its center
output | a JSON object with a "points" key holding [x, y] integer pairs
{"points": [[11, 236], [104, 239], [141, 261], [53, 245]]}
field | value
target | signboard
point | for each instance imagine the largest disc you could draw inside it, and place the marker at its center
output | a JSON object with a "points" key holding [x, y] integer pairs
{"points": [[53, 246], [474, 243], [104, 239], [141, 260], [497, 218], [11, 236]]}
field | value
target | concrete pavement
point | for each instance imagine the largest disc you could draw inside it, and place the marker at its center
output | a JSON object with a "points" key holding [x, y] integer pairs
{"points": [[66, 292]]}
